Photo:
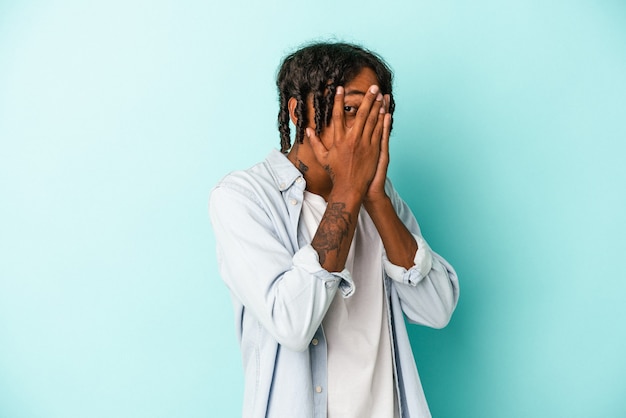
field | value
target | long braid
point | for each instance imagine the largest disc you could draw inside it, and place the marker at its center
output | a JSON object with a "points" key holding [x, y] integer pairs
{"points": [[302, 115], [318, 96], [328, 104], [283, 123]]}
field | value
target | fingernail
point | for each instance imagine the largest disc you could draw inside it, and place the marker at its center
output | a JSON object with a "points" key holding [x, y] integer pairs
{"points": [[339, 90], [374, 89], [379, 97], [382, 110], [308, 130]]}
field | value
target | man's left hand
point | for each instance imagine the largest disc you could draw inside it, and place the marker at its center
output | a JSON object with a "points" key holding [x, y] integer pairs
{"points": [[376, 190]]}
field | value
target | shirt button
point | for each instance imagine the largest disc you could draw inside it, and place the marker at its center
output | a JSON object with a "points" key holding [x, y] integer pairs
{"points": [[299, 180], [314, 341], [282, 185], [318, 389], [329, 285], [293, 201]]}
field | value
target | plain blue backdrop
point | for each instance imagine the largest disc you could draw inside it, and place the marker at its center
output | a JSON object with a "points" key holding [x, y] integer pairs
{"points": [[117, 118]]}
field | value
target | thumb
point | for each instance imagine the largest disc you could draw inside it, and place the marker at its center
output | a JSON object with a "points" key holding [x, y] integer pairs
{"points": [[320, 151]]}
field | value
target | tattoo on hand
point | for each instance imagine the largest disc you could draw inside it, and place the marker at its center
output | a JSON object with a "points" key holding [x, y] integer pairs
{"points": [[332, 230], [330, 172]]}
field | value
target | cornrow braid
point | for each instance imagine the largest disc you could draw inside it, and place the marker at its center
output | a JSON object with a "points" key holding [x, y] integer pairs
{"points": [[314, 72]]}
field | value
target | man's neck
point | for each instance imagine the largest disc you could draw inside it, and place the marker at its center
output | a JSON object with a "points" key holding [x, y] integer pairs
{"points": [[317, 179]]}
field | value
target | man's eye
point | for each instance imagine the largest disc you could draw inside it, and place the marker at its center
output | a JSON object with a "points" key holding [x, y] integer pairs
{"points": [[351, 110]]}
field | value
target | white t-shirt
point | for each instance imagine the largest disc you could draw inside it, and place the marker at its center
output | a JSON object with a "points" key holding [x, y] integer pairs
{"points": [[360, 365]]}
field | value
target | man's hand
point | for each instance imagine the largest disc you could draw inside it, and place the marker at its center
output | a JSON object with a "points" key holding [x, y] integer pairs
{"points": [[353, 156], [376, 190]]}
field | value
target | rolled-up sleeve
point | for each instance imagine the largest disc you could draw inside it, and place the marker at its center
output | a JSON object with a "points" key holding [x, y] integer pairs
{"points": [[308, 259], [422, 264]]}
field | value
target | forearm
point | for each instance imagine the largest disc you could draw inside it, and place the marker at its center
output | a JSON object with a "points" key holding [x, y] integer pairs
{"points": [[426, 284], [336, 229], [399, 243]]}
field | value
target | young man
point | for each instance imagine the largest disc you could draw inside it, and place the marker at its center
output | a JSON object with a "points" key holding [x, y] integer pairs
{"points": [[322, 257]]}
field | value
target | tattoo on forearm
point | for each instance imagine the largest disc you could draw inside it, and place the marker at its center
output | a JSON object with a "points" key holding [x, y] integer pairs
{"points": [[332, 230]]}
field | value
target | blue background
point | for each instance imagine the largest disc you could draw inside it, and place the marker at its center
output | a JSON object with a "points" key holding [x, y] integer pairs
{"points": [[117, 118]]}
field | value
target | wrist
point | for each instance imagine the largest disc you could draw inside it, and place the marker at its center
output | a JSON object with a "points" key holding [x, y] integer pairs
{"points": [[376, 201], [347, 194]]}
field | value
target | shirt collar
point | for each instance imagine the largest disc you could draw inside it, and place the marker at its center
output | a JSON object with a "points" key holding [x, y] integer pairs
{"points": [[282, 170]]}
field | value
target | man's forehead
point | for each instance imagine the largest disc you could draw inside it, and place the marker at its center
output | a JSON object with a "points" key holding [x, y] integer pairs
{"points": [[354, 92]]}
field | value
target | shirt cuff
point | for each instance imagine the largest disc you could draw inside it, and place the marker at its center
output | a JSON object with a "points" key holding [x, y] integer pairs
{"points": [[308, 259], [422, 263]]}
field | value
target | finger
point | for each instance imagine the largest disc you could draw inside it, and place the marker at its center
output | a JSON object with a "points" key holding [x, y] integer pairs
{"points": [[338, 118], [386, 102], [373, 127], [365, 108], [376, 136], [384, 142], [319, 150]]}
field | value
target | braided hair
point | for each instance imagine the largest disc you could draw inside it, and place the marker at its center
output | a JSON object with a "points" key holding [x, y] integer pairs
{"points": [[317, 69]]}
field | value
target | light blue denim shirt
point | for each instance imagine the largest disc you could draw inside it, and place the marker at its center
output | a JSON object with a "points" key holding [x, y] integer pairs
{"points": [[281, 293]]}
